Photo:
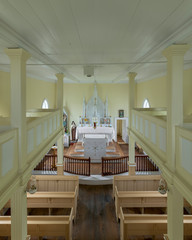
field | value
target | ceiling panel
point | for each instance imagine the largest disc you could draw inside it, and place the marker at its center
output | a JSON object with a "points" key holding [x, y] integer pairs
{"points": [[114, 36]]}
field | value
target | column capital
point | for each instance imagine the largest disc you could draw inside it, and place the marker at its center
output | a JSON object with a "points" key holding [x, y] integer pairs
{"points": [[176, 50], [59, 76], [132, 75], [17, 52]]}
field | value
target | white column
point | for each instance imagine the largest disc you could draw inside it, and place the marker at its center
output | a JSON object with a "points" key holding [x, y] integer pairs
{"points": [[175, 57], [59, 93], [18, 58], [60, 146], [132, 96], [174, 214], [132, 165], [19, 214]]}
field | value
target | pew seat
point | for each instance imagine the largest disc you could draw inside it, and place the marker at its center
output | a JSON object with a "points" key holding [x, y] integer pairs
{"points": [[52, 200], [39, 226], [148, 225], [139, 199]]}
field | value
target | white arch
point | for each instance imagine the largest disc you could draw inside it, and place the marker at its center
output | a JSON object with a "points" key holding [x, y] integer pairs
{"points": [[45, 104], [146, 103]]}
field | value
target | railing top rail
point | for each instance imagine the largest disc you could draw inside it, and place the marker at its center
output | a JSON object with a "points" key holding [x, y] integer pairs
{"points": [[76, 158], [50, 155], [151, 109], [41, 110], [114, 158], [38, 120], [157, 119]]}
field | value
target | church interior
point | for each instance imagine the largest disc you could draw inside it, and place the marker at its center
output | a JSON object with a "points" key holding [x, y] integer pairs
{"points": [[95, 120]]}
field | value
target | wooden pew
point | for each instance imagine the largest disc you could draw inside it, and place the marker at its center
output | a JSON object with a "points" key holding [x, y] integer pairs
{"points": [[139, 199], [146, 224], [38, 226], [51, 200], [136, 183], [57, 183]]}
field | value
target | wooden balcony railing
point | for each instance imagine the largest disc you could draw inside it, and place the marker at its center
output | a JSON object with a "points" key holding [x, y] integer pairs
{"points": [[48, 163], [77, 165], [113, 166], [145, 164]]}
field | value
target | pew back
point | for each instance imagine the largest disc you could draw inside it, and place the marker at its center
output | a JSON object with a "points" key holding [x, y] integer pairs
{"points": [[136, 183], [41, 226], [139, 199], [57, 183], [146, 224]]}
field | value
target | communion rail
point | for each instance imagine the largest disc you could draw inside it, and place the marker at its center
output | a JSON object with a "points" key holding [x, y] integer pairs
{"points": [[48, 163], [113, 166], [77, 165]]}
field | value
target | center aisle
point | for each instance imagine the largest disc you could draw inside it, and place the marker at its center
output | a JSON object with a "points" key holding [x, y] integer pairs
{"points": [[96, 218]]}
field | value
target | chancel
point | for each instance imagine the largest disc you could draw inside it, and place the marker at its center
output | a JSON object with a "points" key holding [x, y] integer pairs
{"points": [[95, 119]]}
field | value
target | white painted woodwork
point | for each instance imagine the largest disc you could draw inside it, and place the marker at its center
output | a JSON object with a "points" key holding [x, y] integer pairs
{"points": [[152, 131], [95, 147], [131, 32], [107, 131], [19, 214]]}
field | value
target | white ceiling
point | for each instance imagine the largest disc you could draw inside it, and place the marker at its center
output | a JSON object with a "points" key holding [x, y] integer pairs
{"points": [[114, 36]]}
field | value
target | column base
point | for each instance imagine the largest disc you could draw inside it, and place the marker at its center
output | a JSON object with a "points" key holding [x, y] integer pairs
{"points": [[60, 169], [132, 168]]}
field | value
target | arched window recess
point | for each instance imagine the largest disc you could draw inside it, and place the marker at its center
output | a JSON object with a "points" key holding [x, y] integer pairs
{"points": [[45, 104], [146, 103]]}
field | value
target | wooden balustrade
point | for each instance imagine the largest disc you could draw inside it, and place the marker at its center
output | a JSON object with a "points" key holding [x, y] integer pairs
{"points": [[77, 165], [48, 163], [145, 164], [110, 165], [113, 166]]}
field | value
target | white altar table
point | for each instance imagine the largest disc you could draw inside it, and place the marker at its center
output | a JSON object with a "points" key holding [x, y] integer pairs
{"points": [[95, 147], [107, 131]]}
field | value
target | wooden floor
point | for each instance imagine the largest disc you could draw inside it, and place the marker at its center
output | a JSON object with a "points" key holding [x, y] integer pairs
{"points": [[96, 214]]}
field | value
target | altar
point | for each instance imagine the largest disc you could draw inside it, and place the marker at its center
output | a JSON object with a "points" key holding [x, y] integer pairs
{"points": [[95, 147], [108, 132]]}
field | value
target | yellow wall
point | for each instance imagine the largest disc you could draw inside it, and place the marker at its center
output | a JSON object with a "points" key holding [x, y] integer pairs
{"points": [[4, 94], [73, 98], [37, 91], [154, 90], [187, 92]]}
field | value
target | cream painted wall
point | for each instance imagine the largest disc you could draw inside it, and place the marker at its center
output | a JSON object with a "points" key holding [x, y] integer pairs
{"points": [[187, 92], [154, 90], [4, 94], [37, 91], [73, 98]]}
